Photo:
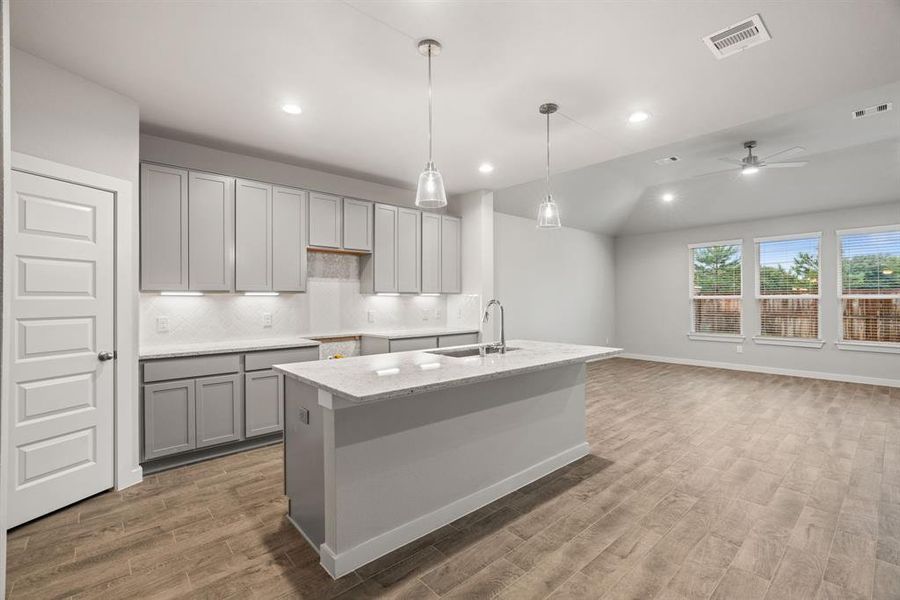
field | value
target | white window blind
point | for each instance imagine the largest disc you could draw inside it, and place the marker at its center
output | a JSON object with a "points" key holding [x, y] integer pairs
{"points": [[787, 286], [870, 285], [716, 288]]}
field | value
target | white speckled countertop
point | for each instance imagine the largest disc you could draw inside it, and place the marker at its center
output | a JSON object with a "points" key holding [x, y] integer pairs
{"points": [[414, 333], [178, 350], [364, 379]]}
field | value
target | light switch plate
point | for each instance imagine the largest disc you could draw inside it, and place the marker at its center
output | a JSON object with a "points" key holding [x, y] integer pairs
{"points": [[739, 349], [162, 324], [267, 319], [371, 316]]}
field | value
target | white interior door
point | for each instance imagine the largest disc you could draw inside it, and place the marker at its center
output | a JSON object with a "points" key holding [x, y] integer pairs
{"points": [[60, 434]]}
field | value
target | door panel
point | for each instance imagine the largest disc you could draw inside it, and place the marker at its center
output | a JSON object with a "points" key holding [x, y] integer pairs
{"points": [[164, 226], [253, 237], [263, 401], [211, 237], [409, 251], [324, 221], [357, 225], [60, 433], [431, 253], [169, 418], [219, 410], [289, 240], [451, 256], [385, 253]]}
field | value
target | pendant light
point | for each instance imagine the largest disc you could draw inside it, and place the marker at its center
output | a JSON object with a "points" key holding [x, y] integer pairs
{"points": [[548, 212], [430, 190]]}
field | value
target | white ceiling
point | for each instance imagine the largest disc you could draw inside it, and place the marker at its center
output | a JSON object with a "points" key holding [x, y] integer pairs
{"points": [[217, 72], [851, 163]]}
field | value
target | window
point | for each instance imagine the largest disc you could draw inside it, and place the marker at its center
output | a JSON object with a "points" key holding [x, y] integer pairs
{"points": [[787, 287], [716, 288], [870, 285]]}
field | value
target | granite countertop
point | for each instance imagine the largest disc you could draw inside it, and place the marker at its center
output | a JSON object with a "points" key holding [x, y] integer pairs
{"points": [[178, 350], [377, 377]]}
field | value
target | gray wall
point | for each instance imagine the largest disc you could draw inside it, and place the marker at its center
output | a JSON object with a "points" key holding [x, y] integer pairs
{"points": [[62, 117], [556, 285], [653, 316]]}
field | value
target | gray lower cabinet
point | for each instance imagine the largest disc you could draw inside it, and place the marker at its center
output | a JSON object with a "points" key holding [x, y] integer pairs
{"points": [[169, 418], [264, 408], [219, 410]]}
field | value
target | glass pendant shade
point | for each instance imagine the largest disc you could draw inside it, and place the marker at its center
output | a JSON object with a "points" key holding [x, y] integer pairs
{"points": [[430, 191], [548, 214]]}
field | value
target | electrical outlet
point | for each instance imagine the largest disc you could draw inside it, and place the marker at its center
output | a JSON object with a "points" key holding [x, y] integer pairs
{"points": [[267, 319], [459, 313], [371, 316], [437, 313], [162, 324], [425, 315], [739, 349]]}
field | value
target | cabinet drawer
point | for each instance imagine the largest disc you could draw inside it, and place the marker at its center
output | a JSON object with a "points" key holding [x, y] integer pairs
{"points": [[180, 368], [257, 361], [407, 344], [457, 339]]}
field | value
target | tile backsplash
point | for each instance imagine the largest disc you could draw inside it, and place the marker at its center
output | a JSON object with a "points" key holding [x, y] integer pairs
{"points": [[331, 304]]}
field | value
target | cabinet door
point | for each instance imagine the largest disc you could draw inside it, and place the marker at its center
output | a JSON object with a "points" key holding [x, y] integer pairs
{"points": [[451, 257], [407, 344], [253, 237], [431, 253], [164, 228], [211, 232], [263, 402], [409, 250], [357, 225], [219, 410], [169, 418], [385, 254], [324, 220], [288, 240]]}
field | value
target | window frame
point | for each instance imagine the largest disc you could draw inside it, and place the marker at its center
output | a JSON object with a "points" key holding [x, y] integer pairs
{"points": [[856, 345], [759, 338], [693, 334]]}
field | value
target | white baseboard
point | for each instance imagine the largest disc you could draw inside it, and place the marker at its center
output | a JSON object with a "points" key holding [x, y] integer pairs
{"points": [[338, 565], [769, 370], [300, 529], [132, 477]]}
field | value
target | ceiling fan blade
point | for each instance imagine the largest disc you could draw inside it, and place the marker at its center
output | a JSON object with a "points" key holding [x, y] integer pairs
{"points": [[786, 165], [714, 173], [733, 161], [785, 152]]}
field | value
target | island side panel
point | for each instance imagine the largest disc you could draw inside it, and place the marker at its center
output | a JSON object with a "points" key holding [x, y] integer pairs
{"points": [[304, 470], [406, 466]]}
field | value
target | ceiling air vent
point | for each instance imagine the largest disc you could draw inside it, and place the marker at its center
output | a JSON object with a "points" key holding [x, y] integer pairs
{"points": [[740, 36], [667, 160], [873, 110]]}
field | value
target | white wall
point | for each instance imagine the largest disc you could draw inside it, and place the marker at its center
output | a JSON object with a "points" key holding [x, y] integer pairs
{"points": [[556, 285], [653, 308]]}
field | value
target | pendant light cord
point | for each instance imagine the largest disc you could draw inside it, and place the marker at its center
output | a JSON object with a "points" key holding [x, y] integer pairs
{"points": [[430, 158], [548, 154]]}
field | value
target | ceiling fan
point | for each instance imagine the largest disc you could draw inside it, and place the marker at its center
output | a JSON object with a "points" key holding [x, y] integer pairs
{"points": [[751, 163]]}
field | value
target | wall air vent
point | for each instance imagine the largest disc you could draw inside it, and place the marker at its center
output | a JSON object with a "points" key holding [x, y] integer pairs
{"points": [[873, 110], [668, 160], [738, 37]]}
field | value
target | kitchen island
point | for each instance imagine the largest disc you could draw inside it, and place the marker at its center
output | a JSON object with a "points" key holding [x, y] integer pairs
{"points": [[383, 449]]}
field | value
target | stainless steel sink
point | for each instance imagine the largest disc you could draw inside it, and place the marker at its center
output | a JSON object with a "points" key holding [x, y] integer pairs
{"points": [[469, 351]]}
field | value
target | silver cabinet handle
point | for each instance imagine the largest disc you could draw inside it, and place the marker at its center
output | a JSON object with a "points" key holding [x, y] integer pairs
{"points": [[104, 356]]}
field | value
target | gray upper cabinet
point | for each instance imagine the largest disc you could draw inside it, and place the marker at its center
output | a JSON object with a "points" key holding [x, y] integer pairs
{"points": [[325, 227], [409, 251], [169, 418], [431, 253], [358, 225], [164, 228], [219, 410], [253, 236], [289, 209], [210, 232], [385, 254], [451, 255], [264, 405]]}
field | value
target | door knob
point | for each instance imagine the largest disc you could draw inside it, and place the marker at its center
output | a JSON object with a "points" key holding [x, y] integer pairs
{"points": [[104, 356]]}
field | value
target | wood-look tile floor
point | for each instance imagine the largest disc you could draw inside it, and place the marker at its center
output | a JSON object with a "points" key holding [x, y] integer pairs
{"points": [[703, 483]]}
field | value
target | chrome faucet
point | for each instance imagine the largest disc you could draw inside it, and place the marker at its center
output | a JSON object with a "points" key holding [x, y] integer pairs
{"points": [[501, 346]]}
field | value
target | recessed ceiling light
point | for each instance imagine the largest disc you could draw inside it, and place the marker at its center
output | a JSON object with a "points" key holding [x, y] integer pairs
{"points": [[486, 167], [291, 109], [638, 116], [668, 197]]}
